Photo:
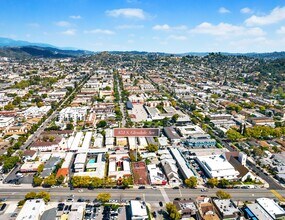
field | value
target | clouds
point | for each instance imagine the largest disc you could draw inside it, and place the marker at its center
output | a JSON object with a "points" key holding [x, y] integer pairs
{"points": [[166, 27], [246, 10], [127, 13], [129, 26], [275, 16], [62, 23], [100, 31], [69, 32], [281, 30], [178, 37], [75, 17], [223, 10], [226, 29]]}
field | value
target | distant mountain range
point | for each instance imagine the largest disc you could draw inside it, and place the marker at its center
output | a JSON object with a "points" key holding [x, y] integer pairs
{"points": [[25, 49]]}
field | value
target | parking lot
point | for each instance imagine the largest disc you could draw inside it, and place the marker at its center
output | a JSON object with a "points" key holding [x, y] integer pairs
{"points": [[13, 178], [139, 112]]}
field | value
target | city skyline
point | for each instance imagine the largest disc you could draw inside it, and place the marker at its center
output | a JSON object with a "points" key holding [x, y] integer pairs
{"points": [[154, 26]]}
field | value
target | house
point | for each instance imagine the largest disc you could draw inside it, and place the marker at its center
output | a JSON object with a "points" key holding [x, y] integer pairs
{"points": [[171, 172], [50, 166], [140, 173], [186, 208], [29, 155]]}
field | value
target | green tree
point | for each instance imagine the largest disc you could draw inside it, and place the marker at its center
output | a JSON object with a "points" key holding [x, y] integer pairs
{"points": [[40, 168], [104, 197], [212, 182], [43, 195], [96, 182], [30, 195], [152, 148], [69, 126], [49, 181], [234, 135], [9, 107], [59, 180], [127, 181], [223, 195], [191, 182], [37, 181], [223, 183], [102, 124], [175, 118], [172, 211]]}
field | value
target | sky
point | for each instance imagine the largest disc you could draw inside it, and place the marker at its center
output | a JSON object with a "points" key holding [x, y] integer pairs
{"points": [[172, 26]]}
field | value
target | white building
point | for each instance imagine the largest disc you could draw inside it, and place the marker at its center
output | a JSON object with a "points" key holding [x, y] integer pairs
{"points": [[79, 163], [119, 166], [271, 208], [87, 141], [76, 142], [181, 163], [73, 114], [95, 167], [32, 210], [156, 175], [35, 111], [138, 210], [216, 166], [6, 121]]}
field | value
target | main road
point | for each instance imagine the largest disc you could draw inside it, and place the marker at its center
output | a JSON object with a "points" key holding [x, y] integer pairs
{"points": [[149, 195]]}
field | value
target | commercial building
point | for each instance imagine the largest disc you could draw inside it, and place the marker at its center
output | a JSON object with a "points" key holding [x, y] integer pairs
{"points": [[226, 209], [32, 210], [171, 134], [182, 165], [216, 166], [138, 210]]}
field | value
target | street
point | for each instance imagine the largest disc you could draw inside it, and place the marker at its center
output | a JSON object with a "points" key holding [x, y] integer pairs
{"points": [[149, 195]]}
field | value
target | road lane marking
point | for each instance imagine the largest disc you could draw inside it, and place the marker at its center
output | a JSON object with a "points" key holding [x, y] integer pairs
{"points": [[277, 195], [164, 195]]}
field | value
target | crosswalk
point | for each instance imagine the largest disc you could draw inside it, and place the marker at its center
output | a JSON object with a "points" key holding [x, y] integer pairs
{"points": [[164, 195]]}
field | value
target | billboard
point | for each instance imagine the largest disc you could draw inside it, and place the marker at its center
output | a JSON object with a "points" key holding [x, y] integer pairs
{"points": [[136, 132]]}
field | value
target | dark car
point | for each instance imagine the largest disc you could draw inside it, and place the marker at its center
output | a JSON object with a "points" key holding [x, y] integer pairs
{"points": [[176, 187], [177, 199], [138, 198], [141, 187], [154, 214], [160, 204], [80, 200]]}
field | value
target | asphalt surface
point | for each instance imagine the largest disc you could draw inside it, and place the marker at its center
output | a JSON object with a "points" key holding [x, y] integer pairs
{"points": [[149, 195], [121, 105]]}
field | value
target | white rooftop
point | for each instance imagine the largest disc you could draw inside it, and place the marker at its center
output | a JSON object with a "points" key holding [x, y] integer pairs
{"points": [[271, 207]]}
